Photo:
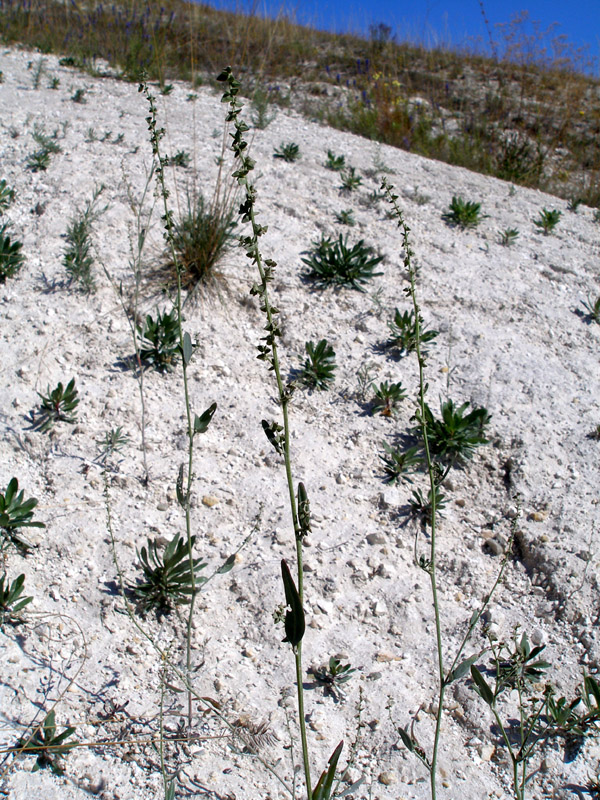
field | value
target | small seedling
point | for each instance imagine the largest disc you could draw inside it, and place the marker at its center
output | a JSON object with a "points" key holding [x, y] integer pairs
{"points": [[387, 398], [39, 161], [47, 745], [91, 136], [421, 507], [15, 513], [333, 676], [11, 601], [11, 257], [593, 309], [260, 116], [166, 89], [364, 376], [574, 203], [57, 405], [79, 96], [38, 71], [7, 195], [453, 438], [168, 579], [463, 213], [400, 463], [159, 346], [508, 236], [54, 83], [192, 97], [114, 442], [419, 198], [596, 215], [548, 220], [346, 217], [181, 159], [404, 332], [334, 263], [350, 180], [319, 368], [336, 163], [288, 152]]}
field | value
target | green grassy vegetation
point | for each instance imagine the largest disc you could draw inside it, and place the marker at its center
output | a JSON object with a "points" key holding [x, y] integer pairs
{"points": [[504, 116]]}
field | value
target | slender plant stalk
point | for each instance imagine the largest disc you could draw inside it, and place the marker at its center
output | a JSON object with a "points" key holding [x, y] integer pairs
{"points": [[184, 496], [269, 353]]}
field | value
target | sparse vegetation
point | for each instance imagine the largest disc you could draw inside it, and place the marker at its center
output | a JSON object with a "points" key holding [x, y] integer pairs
{"points": [[289, 152], [508, 237], [11, 600], [77, 258], [318, 371], [335, 263], [16, 513], [159, 340], [404, 333], [547, 220], [387, 398], [463, 213], [11, 257], [335, 163]]}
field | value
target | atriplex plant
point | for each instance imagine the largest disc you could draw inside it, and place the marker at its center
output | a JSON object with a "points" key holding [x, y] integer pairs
{"points": [[319, 367], [39, 160], [279, 435], [548, 220], [11, 257], [428, 508], [345, 217], [350, 180], [334, 263], [400, 463], [508, 236], [463, 213], [47, 745], [77, 258], [58, 405], [288, 152], [15, 513]]}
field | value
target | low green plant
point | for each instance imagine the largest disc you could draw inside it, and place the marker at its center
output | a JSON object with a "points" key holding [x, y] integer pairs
{"points": [[7, 196], [463, 213], [454, 437], [202, 235], [166, 89], [16, 513], [260, 116], [346, 217], [334, 263], [548, 220], [508, 236], [58, 405], [518, 670], [350, 180], [596, 215], [38, 71], [319, 368], [288, 152], [11, 600], [399, 463], [181, 159], [159, 340], [387, 398], [47, 745], [573, 203], [54, 83], [79, 96], [422, 507], [333, 676], [114, 442], [404, 332], [167, 576], [77, 258], [593, 309], [11, 257], [39, 160], [336, 163]]}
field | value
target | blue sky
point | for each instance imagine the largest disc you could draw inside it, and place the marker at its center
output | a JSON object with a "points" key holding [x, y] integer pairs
{"points": [[446, 22]]}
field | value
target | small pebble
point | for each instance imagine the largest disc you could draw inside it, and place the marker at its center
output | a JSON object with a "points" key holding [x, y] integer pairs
{"points": [[386, 778], [210, 500]]}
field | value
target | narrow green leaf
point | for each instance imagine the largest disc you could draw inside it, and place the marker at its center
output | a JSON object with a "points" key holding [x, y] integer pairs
{"points": [[181, 497], [227, 565], [322, 790], [202, 423], [294, 617], [461, 670], [188, 348], [484, 690], [407, 740]]}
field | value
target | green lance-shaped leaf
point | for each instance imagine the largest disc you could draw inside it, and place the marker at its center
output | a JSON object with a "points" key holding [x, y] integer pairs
{"points": [[181, 495], [322, 790], [273, 432], [294, 615], [482, 686], [461, 669], [188, 348], [202, 423]]}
